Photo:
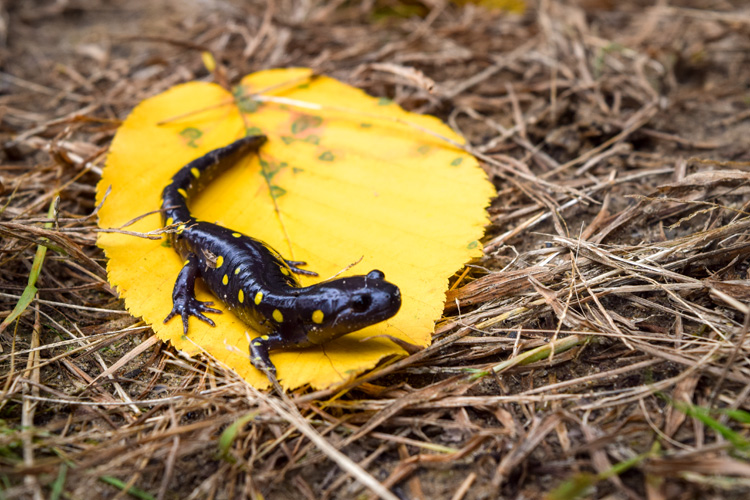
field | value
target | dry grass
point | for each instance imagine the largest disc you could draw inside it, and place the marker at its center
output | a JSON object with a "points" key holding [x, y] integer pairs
{"points": [[601, 344]]}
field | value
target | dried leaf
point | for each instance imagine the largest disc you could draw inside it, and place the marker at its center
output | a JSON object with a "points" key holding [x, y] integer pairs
{"points": [[358, 177]]}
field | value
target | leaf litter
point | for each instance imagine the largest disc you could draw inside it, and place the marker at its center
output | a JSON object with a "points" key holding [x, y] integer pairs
{"points": [[617, 140]]}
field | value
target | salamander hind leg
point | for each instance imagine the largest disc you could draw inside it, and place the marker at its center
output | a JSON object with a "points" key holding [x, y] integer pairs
{"points": [[183, 296], [259, 348], [294, 265]]}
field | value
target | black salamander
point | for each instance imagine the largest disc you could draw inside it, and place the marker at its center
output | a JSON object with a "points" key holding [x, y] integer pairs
{"points": [[254, 281]]}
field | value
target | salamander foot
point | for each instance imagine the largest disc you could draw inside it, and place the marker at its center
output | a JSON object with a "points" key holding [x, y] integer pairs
{"points": [[190, 306], [294, 265], [259, 356]]}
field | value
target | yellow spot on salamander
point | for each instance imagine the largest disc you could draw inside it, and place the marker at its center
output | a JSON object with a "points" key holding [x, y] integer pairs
{"points": [[236, 235], [277, 316], [182, 192], [258, 298], [285, 271], [196, 173], [170, 221], [264, 337], [180, 228], [257, 343], [241, 296], [317, 316], [219, 261], [186, 263], [237, 271], [225, 279]]}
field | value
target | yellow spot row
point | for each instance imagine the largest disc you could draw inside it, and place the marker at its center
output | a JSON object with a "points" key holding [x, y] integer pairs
{"points": [[317, 315]]}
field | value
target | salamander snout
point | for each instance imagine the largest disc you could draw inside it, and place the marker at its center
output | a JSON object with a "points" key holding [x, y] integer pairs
{"points": [[375, 299], [387, 295], [349, 304]]}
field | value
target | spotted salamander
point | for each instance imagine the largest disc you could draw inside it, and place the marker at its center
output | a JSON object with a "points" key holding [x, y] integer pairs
{"points": [[254, 281]]}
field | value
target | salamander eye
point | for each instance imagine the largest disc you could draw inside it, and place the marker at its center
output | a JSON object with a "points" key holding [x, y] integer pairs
{"points": [[376, 275], [360, 303]]}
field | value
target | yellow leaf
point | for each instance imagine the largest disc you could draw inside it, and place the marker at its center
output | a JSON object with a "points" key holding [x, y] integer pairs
{"points": [[516, 6], [352, 176], [208, 61]]}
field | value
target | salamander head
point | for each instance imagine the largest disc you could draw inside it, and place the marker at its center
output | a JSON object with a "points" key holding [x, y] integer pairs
{"points": [[334, 308]]}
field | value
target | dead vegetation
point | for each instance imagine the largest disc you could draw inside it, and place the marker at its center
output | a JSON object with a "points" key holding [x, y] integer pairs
{"points": [[601, 345]]}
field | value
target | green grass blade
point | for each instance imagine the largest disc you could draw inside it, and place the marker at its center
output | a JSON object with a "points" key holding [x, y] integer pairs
{"points": [[702, 414], [230, 434], [57, 486], [533, 355], [580, 484], [132, 491], [740, 416], [36, 267]]}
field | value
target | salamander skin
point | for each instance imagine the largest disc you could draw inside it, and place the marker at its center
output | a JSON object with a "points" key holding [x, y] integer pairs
{"points": [[254, 281]]}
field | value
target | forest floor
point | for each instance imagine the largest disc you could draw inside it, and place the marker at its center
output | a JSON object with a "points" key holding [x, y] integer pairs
{"points": [[617, 135]]}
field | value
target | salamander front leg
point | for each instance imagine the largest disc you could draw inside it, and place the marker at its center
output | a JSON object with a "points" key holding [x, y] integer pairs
{"points": [[259, 348], [183, 296]]}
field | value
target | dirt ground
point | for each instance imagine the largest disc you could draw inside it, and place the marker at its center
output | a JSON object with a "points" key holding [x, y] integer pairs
{"points": [[617, 135]]}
